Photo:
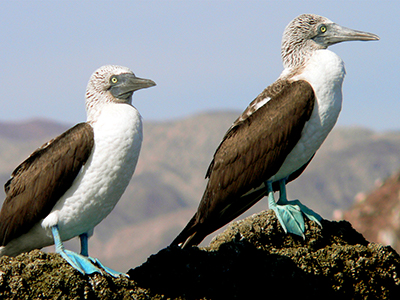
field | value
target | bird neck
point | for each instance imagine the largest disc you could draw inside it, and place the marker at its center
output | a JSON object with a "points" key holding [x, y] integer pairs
{"points": [[322, 62], [95, 103], [296, 53]]}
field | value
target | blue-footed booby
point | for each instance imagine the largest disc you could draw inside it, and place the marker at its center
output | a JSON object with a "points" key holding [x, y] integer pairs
{"points": [[70, 184], [278, 134]]}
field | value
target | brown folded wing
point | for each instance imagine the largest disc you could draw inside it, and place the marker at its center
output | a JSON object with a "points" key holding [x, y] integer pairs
{"points": [[252, 151], [37, 183]]}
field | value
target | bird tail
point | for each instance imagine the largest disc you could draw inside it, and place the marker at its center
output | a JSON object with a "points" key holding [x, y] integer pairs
{"points": [[203, 224], [189, 236]]}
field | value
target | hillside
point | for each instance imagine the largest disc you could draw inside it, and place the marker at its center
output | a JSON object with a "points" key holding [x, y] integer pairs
{"points": [[169, 179], [377, 214]]}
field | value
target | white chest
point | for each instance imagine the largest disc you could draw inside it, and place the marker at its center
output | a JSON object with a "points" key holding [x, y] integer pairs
{"points": [[325, 72], [102, 181]]}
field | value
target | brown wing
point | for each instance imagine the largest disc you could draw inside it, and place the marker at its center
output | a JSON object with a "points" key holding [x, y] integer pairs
{"points": [[252, 151], [38, 182], [236, 208]]}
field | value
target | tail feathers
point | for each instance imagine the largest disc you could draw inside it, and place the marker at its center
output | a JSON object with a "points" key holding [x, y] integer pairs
{"points": [[189, 236], [2, 250], [204, 221]]}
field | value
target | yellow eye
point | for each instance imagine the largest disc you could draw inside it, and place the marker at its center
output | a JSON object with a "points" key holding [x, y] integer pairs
{"points": [[114, 80], [322, 29]]}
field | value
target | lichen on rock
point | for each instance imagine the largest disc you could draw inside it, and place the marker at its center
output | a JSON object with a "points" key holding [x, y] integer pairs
{"points": [[253, 258]]}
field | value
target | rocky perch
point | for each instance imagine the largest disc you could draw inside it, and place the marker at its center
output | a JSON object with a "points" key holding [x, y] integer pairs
{"points": [[252, 259]]}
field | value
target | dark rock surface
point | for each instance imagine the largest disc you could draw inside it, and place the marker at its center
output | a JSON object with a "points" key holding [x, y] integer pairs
{"points": [[39, 275], [252, 259]]}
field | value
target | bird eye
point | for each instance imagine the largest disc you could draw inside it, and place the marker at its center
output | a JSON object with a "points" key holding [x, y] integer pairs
{"points": [[114, 79], [323, 29]]}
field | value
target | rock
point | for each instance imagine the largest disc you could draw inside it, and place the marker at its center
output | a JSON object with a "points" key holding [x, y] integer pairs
{"points": [[39, 275], [252, 259]]}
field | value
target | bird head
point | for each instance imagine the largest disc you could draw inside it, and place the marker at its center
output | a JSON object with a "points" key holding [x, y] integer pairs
{"points": [[309, 32], [113, 84]]}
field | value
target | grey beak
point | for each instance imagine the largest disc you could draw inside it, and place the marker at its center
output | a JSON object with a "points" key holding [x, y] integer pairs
{"points": [[136, 83], [338, 34], [128, 83]]}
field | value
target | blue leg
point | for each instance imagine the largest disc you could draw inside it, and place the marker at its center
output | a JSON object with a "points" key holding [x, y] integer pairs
{"points": [[84, 244], [79, 262], [85, 252], [289, 213], [312, 215], [289, 216]]}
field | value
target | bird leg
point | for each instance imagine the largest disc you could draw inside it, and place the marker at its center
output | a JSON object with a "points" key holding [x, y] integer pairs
{"points": [[289, 213], [85, 252], [82, 263], [84, 244], [289, 216], [310, 214]]}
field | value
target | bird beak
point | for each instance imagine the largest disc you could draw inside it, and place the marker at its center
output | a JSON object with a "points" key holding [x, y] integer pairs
{"points": [[337, 34], [128, 84], [134, 83]]}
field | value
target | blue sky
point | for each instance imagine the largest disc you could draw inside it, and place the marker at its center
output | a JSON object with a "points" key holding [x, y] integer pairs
{"points": [[203, 55]]}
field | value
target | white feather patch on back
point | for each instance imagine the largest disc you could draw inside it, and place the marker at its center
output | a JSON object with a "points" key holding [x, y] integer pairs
{"points": [[261, 103]]}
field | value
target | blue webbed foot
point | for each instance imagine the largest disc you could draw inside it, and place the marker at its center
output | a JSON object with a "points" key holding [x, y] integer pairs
{"points": [[289, 216], [107, 269], [78, 261], [84, 251], [290, 213], [309, 213], [82, 262]]}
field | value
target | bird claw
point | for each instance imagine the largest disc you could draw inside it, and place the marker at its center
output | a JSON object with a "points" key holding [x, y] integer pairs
{"points": [[112, 272], [310, 214]]}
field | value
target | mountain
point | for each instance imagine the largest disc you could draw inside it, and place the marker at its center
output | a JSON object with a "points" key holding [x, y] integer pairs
{"points": [[377, 214], [169, 180]]}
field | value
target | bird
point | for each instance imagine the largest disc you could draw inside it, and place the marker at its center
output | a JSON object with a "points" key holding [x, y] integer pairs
{"points": [[275, 138], [71, 183]]}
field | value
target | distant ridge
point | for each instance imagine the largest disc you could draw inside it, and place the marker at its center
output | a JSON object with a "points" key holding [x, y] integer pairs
{"points": [[377, 215], [31, 129]]}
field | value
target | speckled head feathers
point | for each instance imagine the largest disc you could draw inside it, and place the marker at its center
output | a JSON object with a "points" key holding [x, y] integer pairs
{"points": [[100, 80], [308, 33], [112, 83], [297, 38]]}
